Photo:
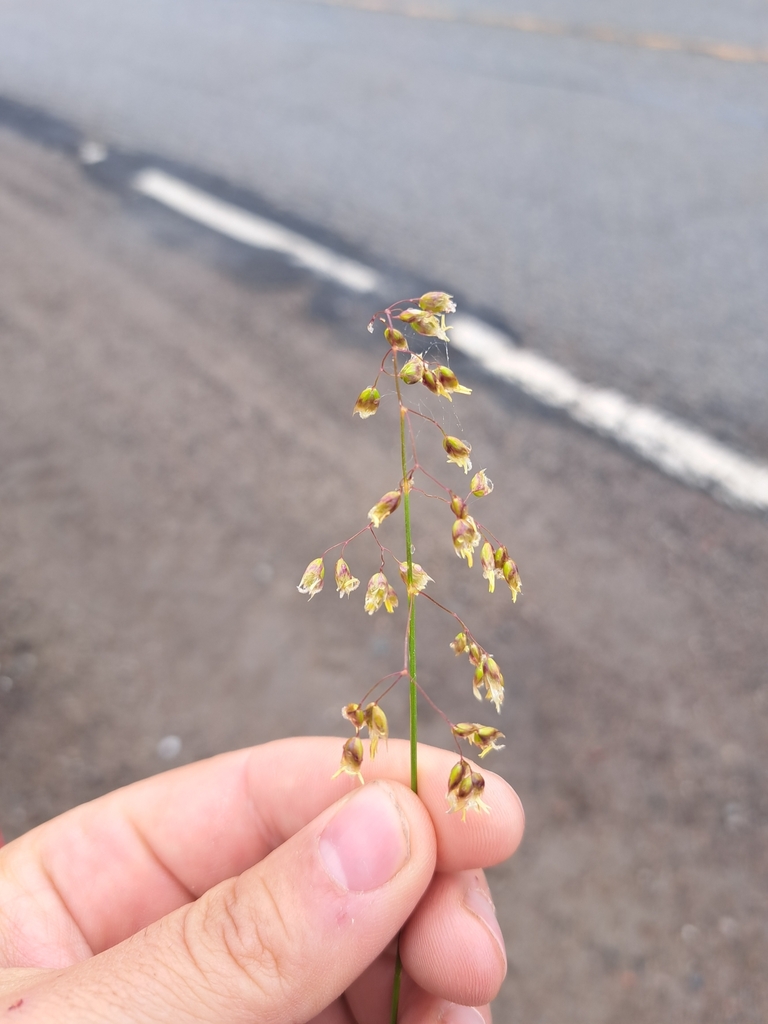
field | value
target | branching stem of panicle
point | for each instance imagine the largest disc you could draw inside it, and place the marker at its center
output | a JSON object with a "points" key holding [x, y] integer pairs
{"points": [[442, 714], [435, 497], [416, 464], [382, 549], [343, 544], [448, 612], [488, 535], [398, 676], [434, 481], [366, 529], [412, 436], [423, 416]]}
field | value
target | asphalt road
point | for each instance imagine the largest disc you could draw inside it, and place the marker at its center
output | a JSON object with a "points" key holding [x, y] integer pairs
{"points": [[176, 445], [606, 202]]}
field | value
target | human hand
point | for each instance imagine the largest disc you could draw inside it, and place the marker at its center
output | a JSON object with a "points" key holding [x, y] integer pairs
{"points": [[249, 888]]}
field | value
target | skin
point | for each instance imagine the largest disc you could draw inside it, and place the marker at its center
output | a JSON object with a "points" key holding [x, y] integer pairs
{"points": [[254, 887]]}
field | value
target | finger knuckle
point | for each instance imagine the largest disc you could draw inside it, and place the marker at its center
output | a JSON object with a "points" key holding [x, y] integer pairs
{"points": [[247, 928]]}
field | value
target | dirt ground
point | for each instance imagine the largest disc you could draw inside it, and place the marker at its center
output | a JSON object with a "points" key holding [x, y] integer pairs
{"points": [[176, 444]]}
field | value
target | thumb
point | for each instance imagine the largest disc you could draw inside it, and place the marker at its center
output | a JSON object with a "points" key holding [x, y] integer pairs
{"points": [[277, 943]]}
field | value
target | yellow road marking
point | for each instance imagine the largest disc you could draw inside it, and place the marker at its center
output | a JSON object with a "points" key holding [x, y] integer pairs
{"points": [[733, 52]]}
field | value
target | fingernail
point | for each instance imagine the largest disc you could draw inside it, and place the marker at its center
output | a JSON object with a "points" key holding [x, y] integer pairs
{"points": [[481, 906], [366, 842], [452, 1013]]}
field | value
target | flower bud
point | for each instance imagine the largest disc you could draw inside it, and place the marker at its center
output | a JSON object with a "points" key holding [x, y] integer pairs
{"points": [[458, 506], [437, 302], [367, 403], [489, 567], [488, 674], [477, 682], [312, 580], [486, 738], [379, 593], [345, 581], [420, 578], [413, 371], [466, 537], [464, 730], [457, 451], [436, 386], [512, 576], [430, 382], [384, 507], [425, 323], [478, 788], [352, 759], [483, 736], [460, 644], [465, 790], [354, 714], [395, 338], [476, 654], [376, 721], [494, 681], [447, 378], [428, 325], [500, 556], [459, 772], [409, 315], [450, 382], [480, 485]]}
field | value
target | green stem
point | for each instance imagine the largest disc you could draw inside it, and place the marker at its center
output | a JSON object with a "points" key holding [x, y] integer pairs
{"points": [[412, 691], [396, 985]]}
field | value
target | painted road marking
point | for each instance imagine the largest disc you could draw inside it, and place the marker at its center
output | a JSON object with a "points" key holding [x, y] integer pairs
{"points": [[250, 229], [733, 52], [675, 447], [678, 449], [91, 153]]}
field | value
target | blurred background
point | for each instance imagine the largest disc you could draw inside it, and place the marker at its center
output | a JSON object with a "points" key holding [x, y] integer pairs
{"points": [[176, 444]]}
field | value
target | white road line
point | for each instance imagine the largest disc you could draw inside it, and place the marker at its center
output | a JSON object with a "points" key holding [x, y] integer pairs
{"points": [[671, 445], [251, 229], [92, 152]]}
